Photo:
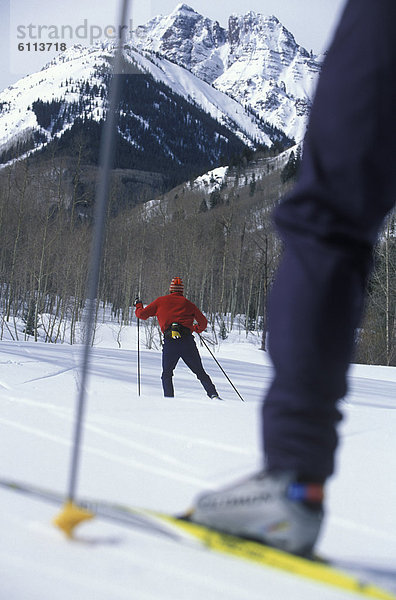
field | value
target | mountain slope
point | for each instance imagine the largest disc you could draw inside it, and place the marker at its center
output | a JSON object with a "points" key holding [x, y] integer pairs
{"points": [[72, 89]]}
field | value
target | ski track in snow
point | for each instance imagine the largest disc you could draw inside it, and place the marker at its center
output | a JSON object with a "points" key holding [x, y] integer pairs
{"points": [[354, 526], [68, 414], [129, 462], [55, 374]]}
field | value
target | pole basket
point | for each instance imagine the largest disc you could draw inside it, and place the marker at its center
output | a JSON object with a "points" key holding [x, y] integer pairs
{"points": [[70, 516]]}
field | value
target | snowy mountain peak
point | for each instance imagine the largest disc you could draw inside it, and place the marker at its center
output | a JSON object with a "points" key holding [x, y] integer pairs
{"points": [[264, 32], [256, 61], [184, 8], [185, 37]]}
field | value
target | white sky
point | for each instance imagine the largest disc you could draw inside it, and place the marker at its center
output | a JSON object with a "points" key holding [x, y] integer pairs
{"points": [[310, 21]]}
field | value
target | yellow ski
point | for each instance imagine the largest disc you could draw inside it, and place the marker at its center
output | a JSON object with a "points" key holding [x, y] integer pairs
{"points": [[254, 551]]}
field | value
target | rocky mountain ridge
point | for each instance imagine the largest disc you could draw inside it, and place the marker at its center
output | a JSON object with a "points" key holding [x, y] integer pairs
{"points": [[256, 61]]}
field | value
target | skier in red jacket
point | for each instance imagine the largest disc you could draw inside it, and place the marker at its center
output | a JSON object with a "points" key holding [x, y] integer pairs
{"points": [[176, 316]]}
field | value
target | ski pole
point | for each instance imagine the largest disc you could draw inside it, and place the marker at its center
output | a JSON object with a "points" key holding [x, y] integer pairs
{"points": [[107, 145], [219, 365], [138, 354], [137, 300], [71, 514]]}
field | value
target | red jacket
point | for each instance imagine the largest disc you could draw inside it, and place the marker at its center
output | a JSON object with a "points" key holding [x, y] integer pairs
{"points": [[173, 308]]}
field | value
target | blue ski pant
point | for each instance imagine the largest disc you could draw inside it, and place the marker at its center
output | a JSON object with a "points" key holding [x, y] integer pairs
{"points": [[186, 349], [329, 224]]}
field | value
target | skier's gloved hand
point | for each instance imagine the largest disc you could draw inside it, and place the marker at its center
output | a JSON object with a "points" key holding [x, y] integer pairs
{"points": [[197, 328], [137, 301]]}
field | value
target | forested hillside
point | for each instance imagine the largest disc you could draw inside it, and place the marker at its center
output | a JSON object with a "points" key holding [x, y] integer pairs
{"points": [[218, 237]]}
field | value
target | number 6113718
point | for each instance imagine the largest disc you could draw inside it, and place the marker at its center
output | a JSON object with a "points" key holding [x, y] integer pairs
{"points": [[42, 46]]}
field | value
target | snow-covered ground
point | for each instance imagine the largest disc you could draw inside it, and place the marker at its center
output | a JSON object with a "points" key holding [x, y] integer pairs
{"points": [[159, 453]]}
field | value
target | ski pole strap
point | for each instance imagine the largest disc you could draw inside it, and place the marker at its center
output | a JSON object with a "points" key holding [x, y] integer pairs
{"points": [[305, 492]]}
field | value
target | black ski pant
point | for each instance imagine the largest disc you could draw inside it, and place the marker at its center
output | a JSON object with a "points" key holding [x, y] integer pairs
{"points": [[186, 349], [329, 224]]}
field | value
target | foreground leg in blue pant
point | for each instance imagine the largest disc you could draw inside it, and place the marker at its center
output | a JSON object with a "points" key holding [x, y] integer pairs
{"points": [[329, 225]]}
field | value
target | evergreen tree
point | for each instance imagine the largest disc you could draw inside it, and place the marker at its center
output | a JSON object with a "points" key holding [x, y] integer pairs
{"points": [[292, 166]]}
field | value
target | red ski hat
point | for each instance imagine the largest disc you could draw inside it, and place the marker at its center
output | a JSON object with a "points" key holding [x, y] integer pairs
{"points": [[176, 285]]}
